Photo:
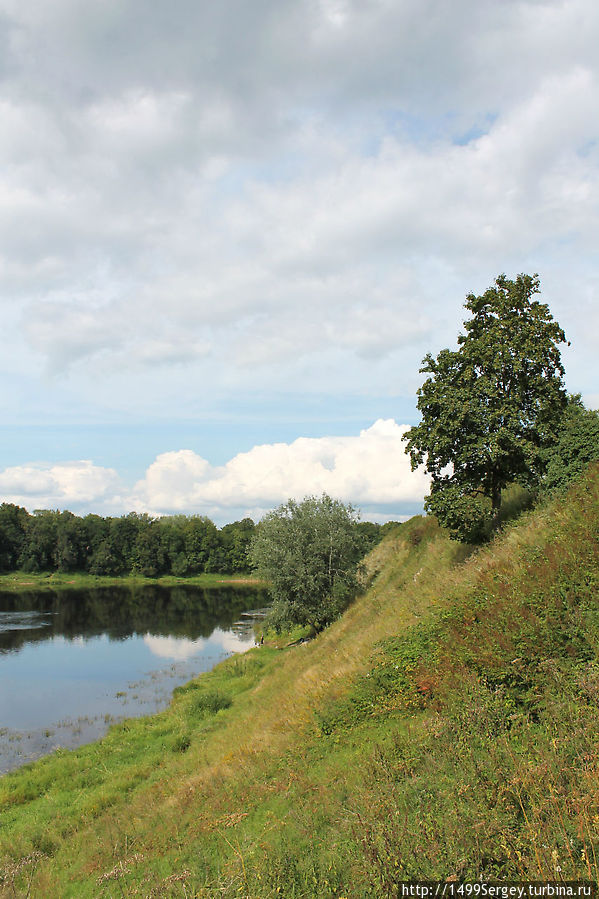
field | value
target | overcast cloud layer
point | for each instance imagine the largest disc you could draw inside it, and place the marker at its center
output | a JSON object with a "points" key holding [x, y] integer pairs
{"points": [[208, 210]]}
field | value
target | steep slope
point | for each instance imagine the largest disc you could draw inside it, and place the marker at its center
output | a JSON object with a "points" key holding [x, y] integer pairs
{"points": [[446, 726]]}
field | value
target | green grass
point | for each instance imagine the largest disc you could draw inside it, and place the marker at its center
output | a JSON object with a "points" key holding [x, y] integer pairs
{"points": [[17, 581], [446, 726]]}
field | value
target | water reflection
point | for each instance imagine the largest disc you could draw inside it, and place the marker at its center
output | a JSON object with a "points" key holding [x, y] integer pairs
{"points": [[184, 611], [173, 647], [72, 662]]}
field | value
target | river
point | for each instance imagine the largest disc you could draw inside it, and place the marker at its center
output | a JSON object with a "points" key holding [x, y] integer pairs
{"points": [[73, 662]]}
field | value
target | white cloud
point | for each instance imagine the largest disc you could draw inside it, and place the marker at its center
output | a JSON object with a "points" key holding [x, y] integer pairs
{"points": [[368, 470], [277, 271], [278, 190], [64, 485], [171, 480]]}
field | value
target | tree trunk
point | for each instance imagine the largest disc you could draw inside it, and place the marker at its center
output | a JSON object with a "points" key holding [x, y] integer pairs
{"points": [[495, 495]]}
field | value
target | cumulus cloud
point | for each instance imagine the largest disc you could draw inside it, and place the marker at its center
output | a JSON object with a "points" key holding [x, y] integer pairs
{"points": [[63, 485], [370, 471], [171, 480]]}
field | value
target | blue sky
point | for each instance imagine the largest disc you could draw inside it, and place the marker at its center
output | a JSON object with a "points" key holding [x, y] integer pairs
{"points": [[230, 232]]}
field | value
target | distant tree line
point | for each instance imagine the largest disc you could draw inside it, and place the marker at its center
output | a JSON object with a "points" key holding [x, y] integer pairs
{"points": [[178, 545]]}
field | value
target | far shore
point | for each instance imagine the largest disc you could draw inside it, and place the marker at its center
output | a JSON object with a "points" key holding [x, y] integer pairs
{"points": [[16, 581]]}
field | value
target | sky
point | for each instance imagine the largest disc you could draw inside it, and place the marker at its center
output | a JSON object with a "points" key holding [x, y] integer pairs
{"points": [[230, 232]]}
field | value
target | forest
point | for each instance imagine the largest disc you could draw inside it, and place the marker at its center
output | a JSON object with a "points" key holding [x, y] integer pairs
{"points": [[177, 545]]}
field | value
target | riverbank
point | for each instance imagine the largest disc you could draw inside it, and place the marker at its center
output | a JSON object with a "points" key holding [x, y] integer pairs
{"points": [[23, 581]]}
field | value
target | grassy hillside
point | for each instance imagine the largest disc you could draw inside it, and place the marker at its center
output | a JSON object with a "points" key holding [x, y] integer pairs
{"points": [[446, 726]]}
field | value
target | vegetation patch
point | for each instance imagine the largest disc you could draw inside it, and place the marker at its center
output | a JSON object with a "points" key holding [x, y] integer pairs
{"points": [[208, 703]]}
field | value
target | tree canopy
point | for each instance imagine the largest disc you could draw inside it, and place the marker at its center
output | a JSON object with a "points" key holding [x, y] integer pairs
{"points": [[491, 408], [576, 446], [309, 553]]}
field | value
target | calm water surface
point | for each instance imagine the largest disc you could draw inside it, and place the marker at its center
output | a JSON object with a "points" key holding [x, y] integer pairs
{"points": [[73, 662]]}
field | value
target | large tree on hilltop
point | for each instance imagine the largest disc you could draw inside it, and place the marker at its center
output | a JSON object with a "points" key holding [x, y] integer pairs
{"points": [[490, 408]]}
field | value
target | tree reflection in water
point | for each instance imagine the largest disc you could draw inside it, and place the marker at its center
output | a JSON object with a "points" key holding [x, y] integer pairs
{"points": [[121, 612]]}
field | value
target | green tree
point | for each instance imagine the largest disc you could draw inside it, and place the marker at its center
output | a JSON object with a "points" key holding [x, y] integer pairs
{"points": [[40, 542], [107, 560], [491, 408], [122, 540], [71, 540], [236, 538], [309, 553], [96, 531], [370, 535], [13, 530], [149, 556], [172, 538], [576, 446], [201, 536]]}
